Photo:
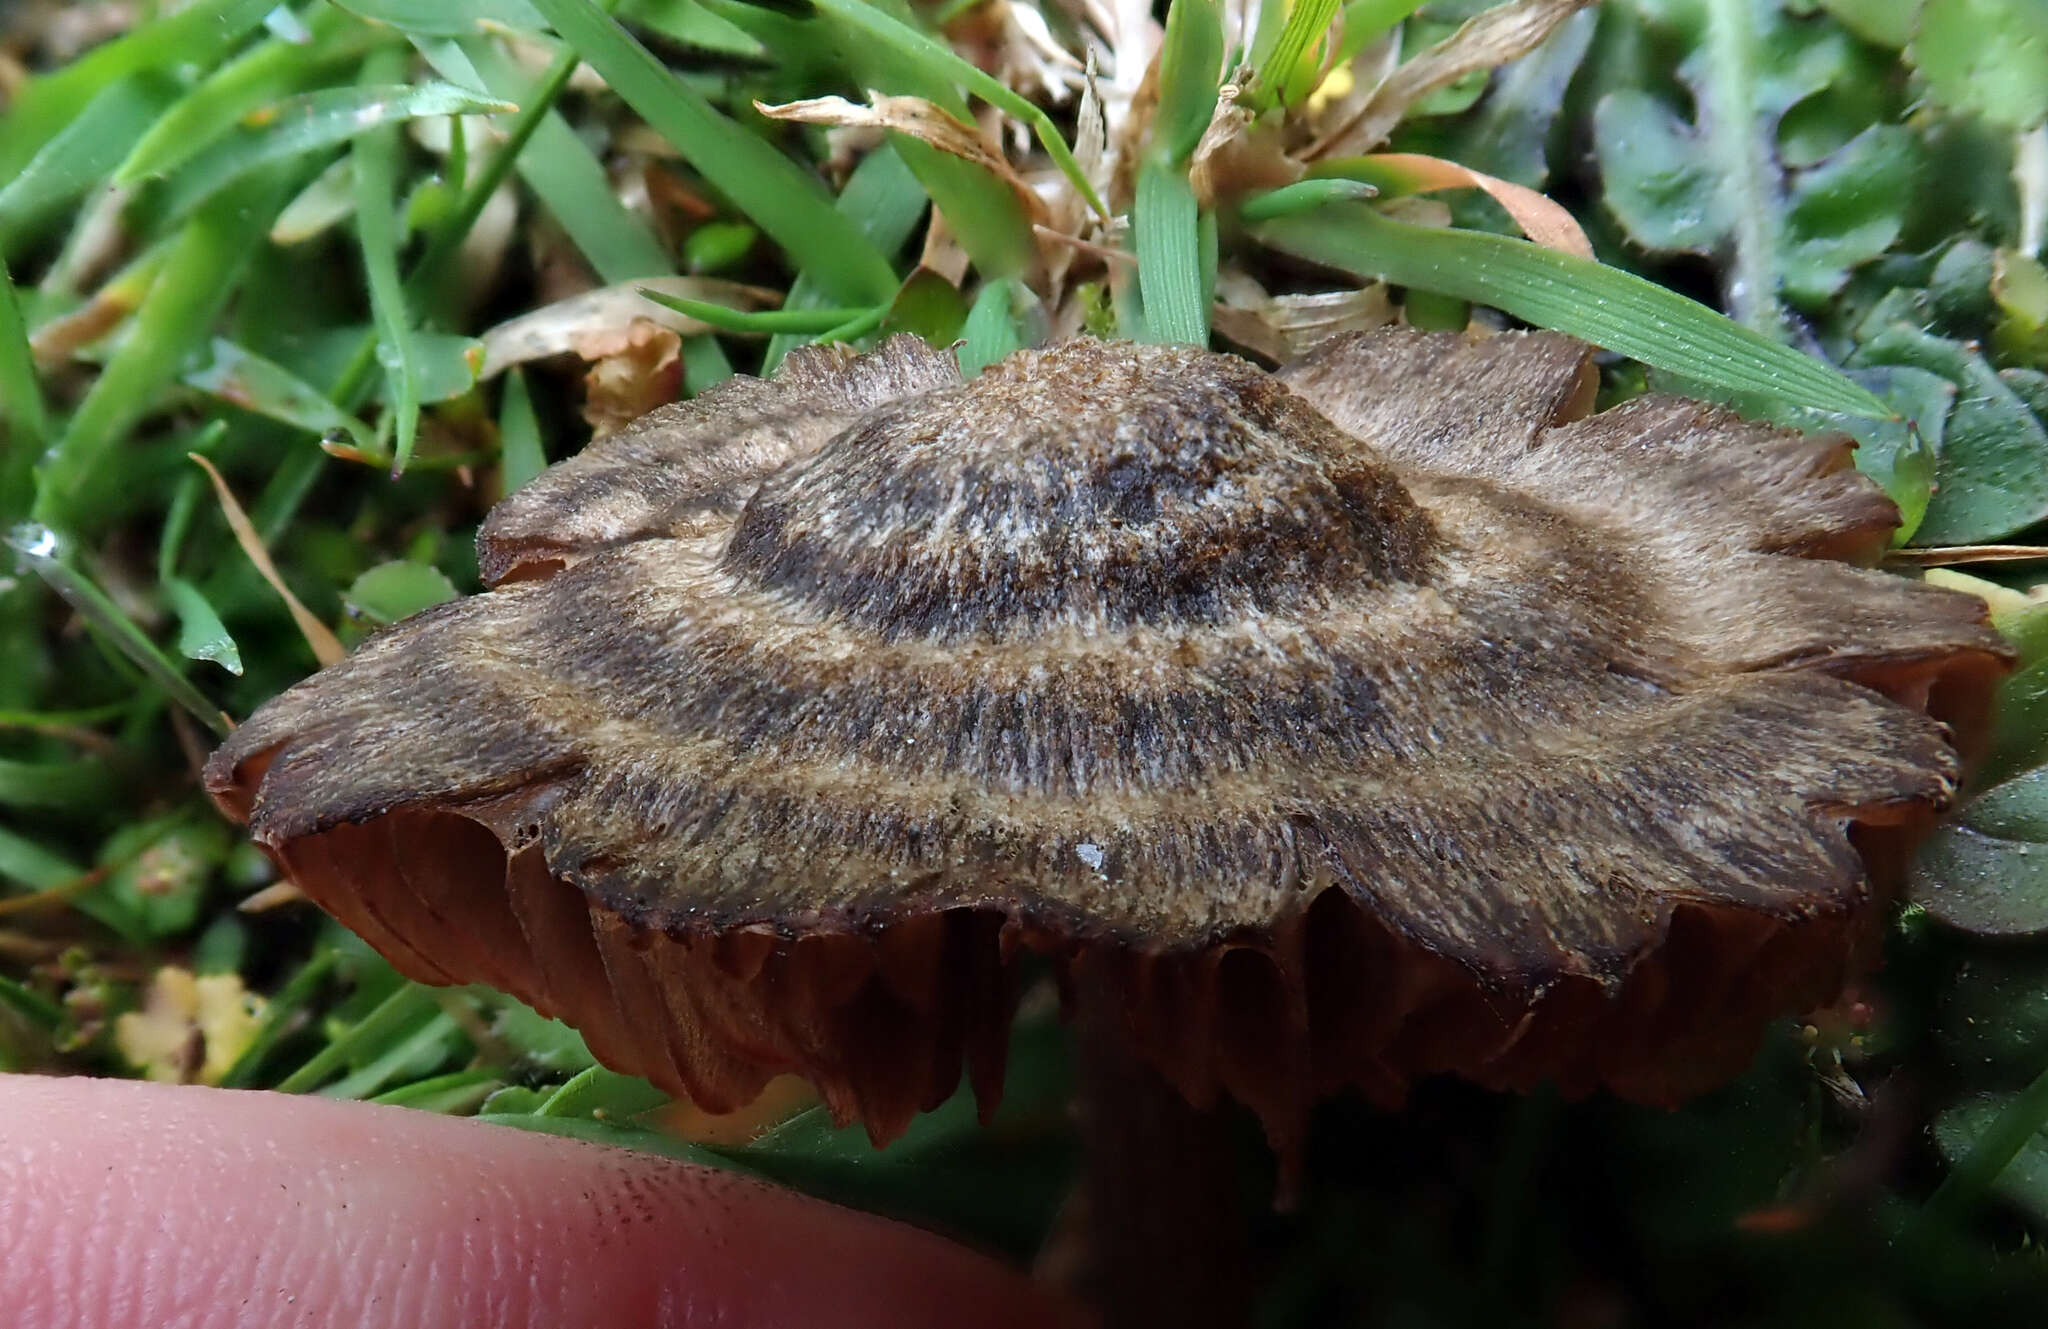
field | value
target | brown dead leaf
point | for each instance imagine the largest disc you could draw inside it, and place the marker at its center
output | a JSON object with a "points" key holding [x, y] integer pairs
{"points": [[608, 311], [632, 370], [1228, 124], [1487, 41], [1250, 160]]}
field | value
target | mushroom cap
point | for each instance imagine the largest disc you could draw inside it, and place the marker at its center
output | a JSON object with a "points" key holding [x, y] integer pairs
{"points": [[1385, 716]]}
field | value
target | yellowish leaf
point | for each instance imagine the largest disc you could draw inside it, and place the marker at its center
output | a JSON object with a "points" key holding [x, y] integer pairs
{"points": [[190, 1030]]}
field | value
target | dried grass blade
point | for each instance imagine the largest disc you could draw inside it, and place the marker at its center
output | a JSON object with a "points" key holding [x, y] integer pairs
{"points": [[325, 645], [1503, 33], [1962, 555], [942, 59], [920, 119], [1541, 218]]}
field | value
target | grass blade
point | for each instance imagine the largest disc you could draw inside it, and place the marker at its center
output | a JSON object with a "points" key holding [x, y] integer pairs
{"points": [[22, 411], [1190, 70], [70, 785], [1167, 230], [457, 1093], [426, 1047], [595, 1090], [992, 330], [194, 37], [449, 18], [1304, 196], [322, 204], [559, 168], [760, 321], [777, 195], [691, 24], [1603, 305], [33, 865], [1166, 219], [392, 1022], [884, 199], [201, 634], [264, 73], [476, 194], [1281, 77], [853, 329], [308, 123], [376, 159], [520, 455], [79, 157], [38, 548], [250, 381], [986, 206], [607, 1134], [30, 1005], [704, 363], [1992, 1153], [199, 276], [280, 1016]]}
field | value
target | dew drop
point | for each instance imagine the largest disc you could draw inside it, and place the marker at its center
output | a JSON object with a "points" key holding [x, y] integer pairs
{"points": [[32, 539]]}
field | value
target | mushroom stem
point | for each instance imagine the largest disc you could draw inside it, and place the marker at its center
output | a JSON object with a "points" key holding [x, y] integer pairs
{"points": [[1166, 1233]]}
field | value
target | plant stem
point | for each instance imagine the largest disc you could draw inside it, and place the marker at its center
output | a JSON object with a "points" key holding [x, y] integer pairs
{"points": [[1748, 169], [1164, 1217]]}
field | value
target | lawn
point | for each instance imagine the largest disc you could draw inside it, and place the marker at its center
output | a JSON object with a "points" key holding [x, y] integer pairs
{"points": [[292, 294]]}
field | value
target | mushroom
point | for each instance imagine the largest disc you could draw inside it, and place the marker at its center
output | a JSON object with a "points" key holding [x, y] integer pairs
{"points": [[1386, 716]]}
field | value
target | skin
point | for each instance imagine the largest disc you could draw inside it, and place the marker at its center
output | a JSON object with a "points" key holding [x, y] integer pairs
{"points": [[131, 1204]]}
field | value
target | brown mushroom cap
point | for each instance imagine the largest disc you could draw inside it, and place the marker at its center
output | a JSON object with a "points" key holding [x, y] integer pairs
{"points": [[1376, 718]]}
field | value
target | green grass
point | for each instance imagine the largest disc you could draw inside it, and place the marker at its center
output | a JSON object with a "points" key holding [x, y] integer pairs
{"points": [[330, 371]]}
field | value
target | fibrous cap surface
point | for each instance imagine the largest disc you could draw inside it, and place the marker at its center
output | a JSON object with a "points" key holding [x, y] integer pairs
{"points": [[1382, 716]]}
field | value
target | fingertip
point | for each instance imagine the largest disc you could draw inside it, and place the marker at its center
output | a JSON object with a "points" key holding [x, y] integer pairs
{"points": [[148, 1205]]}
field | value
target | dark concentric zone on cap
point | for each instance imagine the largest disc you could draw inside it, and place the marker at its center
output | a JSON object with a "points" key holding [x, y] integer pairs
{"points": [[1073, 487]]}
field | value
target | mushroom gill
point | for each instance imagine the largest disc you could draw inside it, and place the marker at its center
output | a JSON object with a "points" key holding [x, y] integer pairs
{"points": [[1382, 717]]}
